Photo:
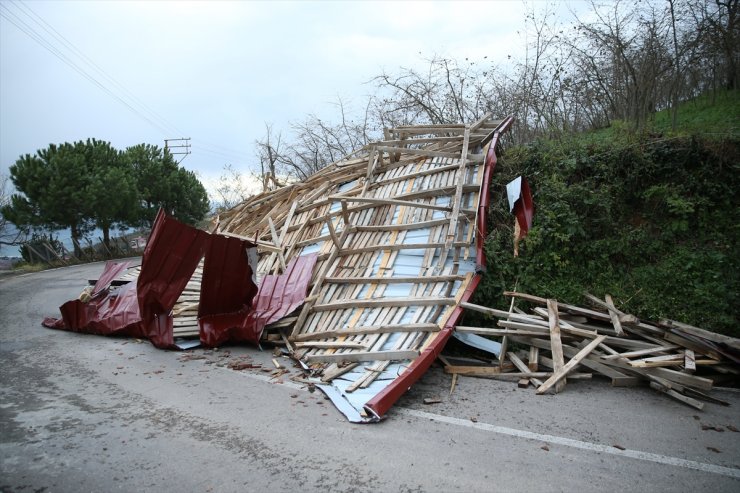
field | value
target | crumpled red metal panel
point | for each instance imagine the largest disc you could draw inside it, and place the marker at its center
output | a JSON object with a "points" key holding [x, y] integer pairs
{"points": [[142, 309], [106, 313], [282, 294], [172, 253], [110, 272], [524, 209], [278, 295], [226, 291], [231, 309]]}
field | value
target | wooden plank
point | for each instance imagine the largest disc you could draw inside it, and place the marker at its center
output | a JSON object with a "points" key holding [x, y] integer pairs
{"points": [[318, 282], [331, 345], [679, 397], [393, 280], [456, 201], [419, 152], [484, 309], [337, 371], [333, 234], [376, 302], [696, 347], [561, 306], [534, 353], [699, 383], [555, 342], [396, 247], [524, 368], [366, 330], [593, 364], [563, 371], [405, 203], [499, 332], [404, 226], [705, 334], [642, 352], [363, 356], [689, 361], [473, 370], [613, 314]]}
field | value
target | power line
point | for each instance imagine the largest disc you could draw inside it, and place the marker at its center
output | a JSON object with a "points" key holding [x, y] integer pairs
{"points": [[127, 98], [33, 34], [91, 63]]}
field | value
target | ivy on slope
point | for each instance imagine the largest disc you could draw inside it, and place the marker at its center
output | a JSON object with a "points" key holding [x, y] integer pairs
{"points": [[652, 221]]}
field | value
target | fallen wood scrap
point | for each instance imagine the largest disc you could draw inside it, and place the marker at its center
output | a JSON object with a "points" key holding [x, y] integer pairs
{"points": [[562, 341]]}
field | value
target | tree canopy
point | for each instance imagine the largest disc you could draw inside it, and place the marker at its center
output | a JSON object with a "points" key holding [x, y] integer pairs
{"points": [[89, 184], [162, 183]]}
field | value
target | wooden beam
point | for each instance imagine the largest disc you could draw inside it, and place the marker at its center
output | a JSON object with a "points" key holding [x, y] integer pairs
{"points": [[614, 315], [363, 356], [642, 352], [398, 246], [563, 371], [404, 226], [333, 234], [393, 280], [484, 309], [524, 368], [473, 370], [366, 330], [331, 345], [498, 332], [704, 334], [406, 203], [679, 397], [379, 302], [594, 364], [556, 344], [561, 306]]}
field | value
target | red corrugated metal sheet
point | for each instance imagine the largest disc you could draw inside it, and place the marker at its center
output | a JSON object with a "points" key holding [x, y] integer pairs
{"points": [[110, 271], [226, 292], [282, 294], [142, 310], [278, 295], [104, 314], [382, 402], [231, 308], [524, 209]]}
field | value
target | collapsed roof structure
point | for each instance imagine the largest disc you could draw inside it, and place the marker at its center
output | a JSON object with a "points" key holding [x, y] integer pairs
{"points": [[363, 271], [397, 230], [372, 255]]}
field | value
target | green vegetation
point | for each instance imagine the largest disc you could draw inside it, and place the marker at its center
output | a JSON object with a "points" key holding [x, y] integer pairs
{"points": [[90, 184], [653, 220]]}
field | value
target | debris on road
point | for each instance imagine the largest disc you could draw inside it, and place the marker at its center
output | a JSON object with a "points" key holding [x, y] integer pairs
{"points": [[679, 360], [360, 274]]}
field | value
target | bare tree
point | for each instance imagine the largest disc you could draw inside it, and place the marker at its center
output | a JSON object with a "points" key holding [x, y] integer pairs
{"points": [[233, 188], [270, 155]]}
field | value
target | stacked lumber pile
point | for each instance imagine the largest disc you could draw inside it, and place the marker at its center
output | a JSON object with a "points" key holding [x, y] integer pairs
{"points": [[564, 342]]}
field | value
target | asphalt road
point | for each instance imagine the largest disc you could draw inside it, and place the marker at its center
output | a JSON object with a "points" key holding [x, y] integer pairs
{"points": [[88, 413]]}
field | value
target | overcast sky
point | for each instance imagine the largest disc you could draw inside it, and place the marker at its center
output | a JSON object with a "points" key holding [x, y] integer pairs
{"points": [[215, 71]]}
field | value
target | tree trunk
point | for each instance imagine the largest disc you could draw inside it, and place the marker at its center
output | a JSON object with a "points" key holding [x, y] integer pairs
{"points": [[106, 236], [76, 240]]}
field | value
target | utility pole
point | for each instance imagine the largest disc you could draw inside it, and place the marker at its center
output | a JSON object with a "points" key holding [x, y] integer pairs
{"points": [[181, 146]]}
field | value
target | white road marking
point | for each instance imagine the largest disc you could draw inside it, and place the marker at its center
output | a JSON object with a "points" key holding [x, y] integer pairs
{"points": [[569, 442], [551, 439]]}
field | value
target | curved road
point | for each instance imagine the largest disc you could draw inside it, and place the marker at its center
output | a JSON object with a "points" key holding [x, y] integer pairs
{"points": [[88, 413]]}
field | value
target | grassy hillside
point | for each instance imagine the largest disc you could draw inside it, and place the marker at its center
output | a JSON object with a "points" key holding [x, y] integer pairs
{"points": [[652, 219]]}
